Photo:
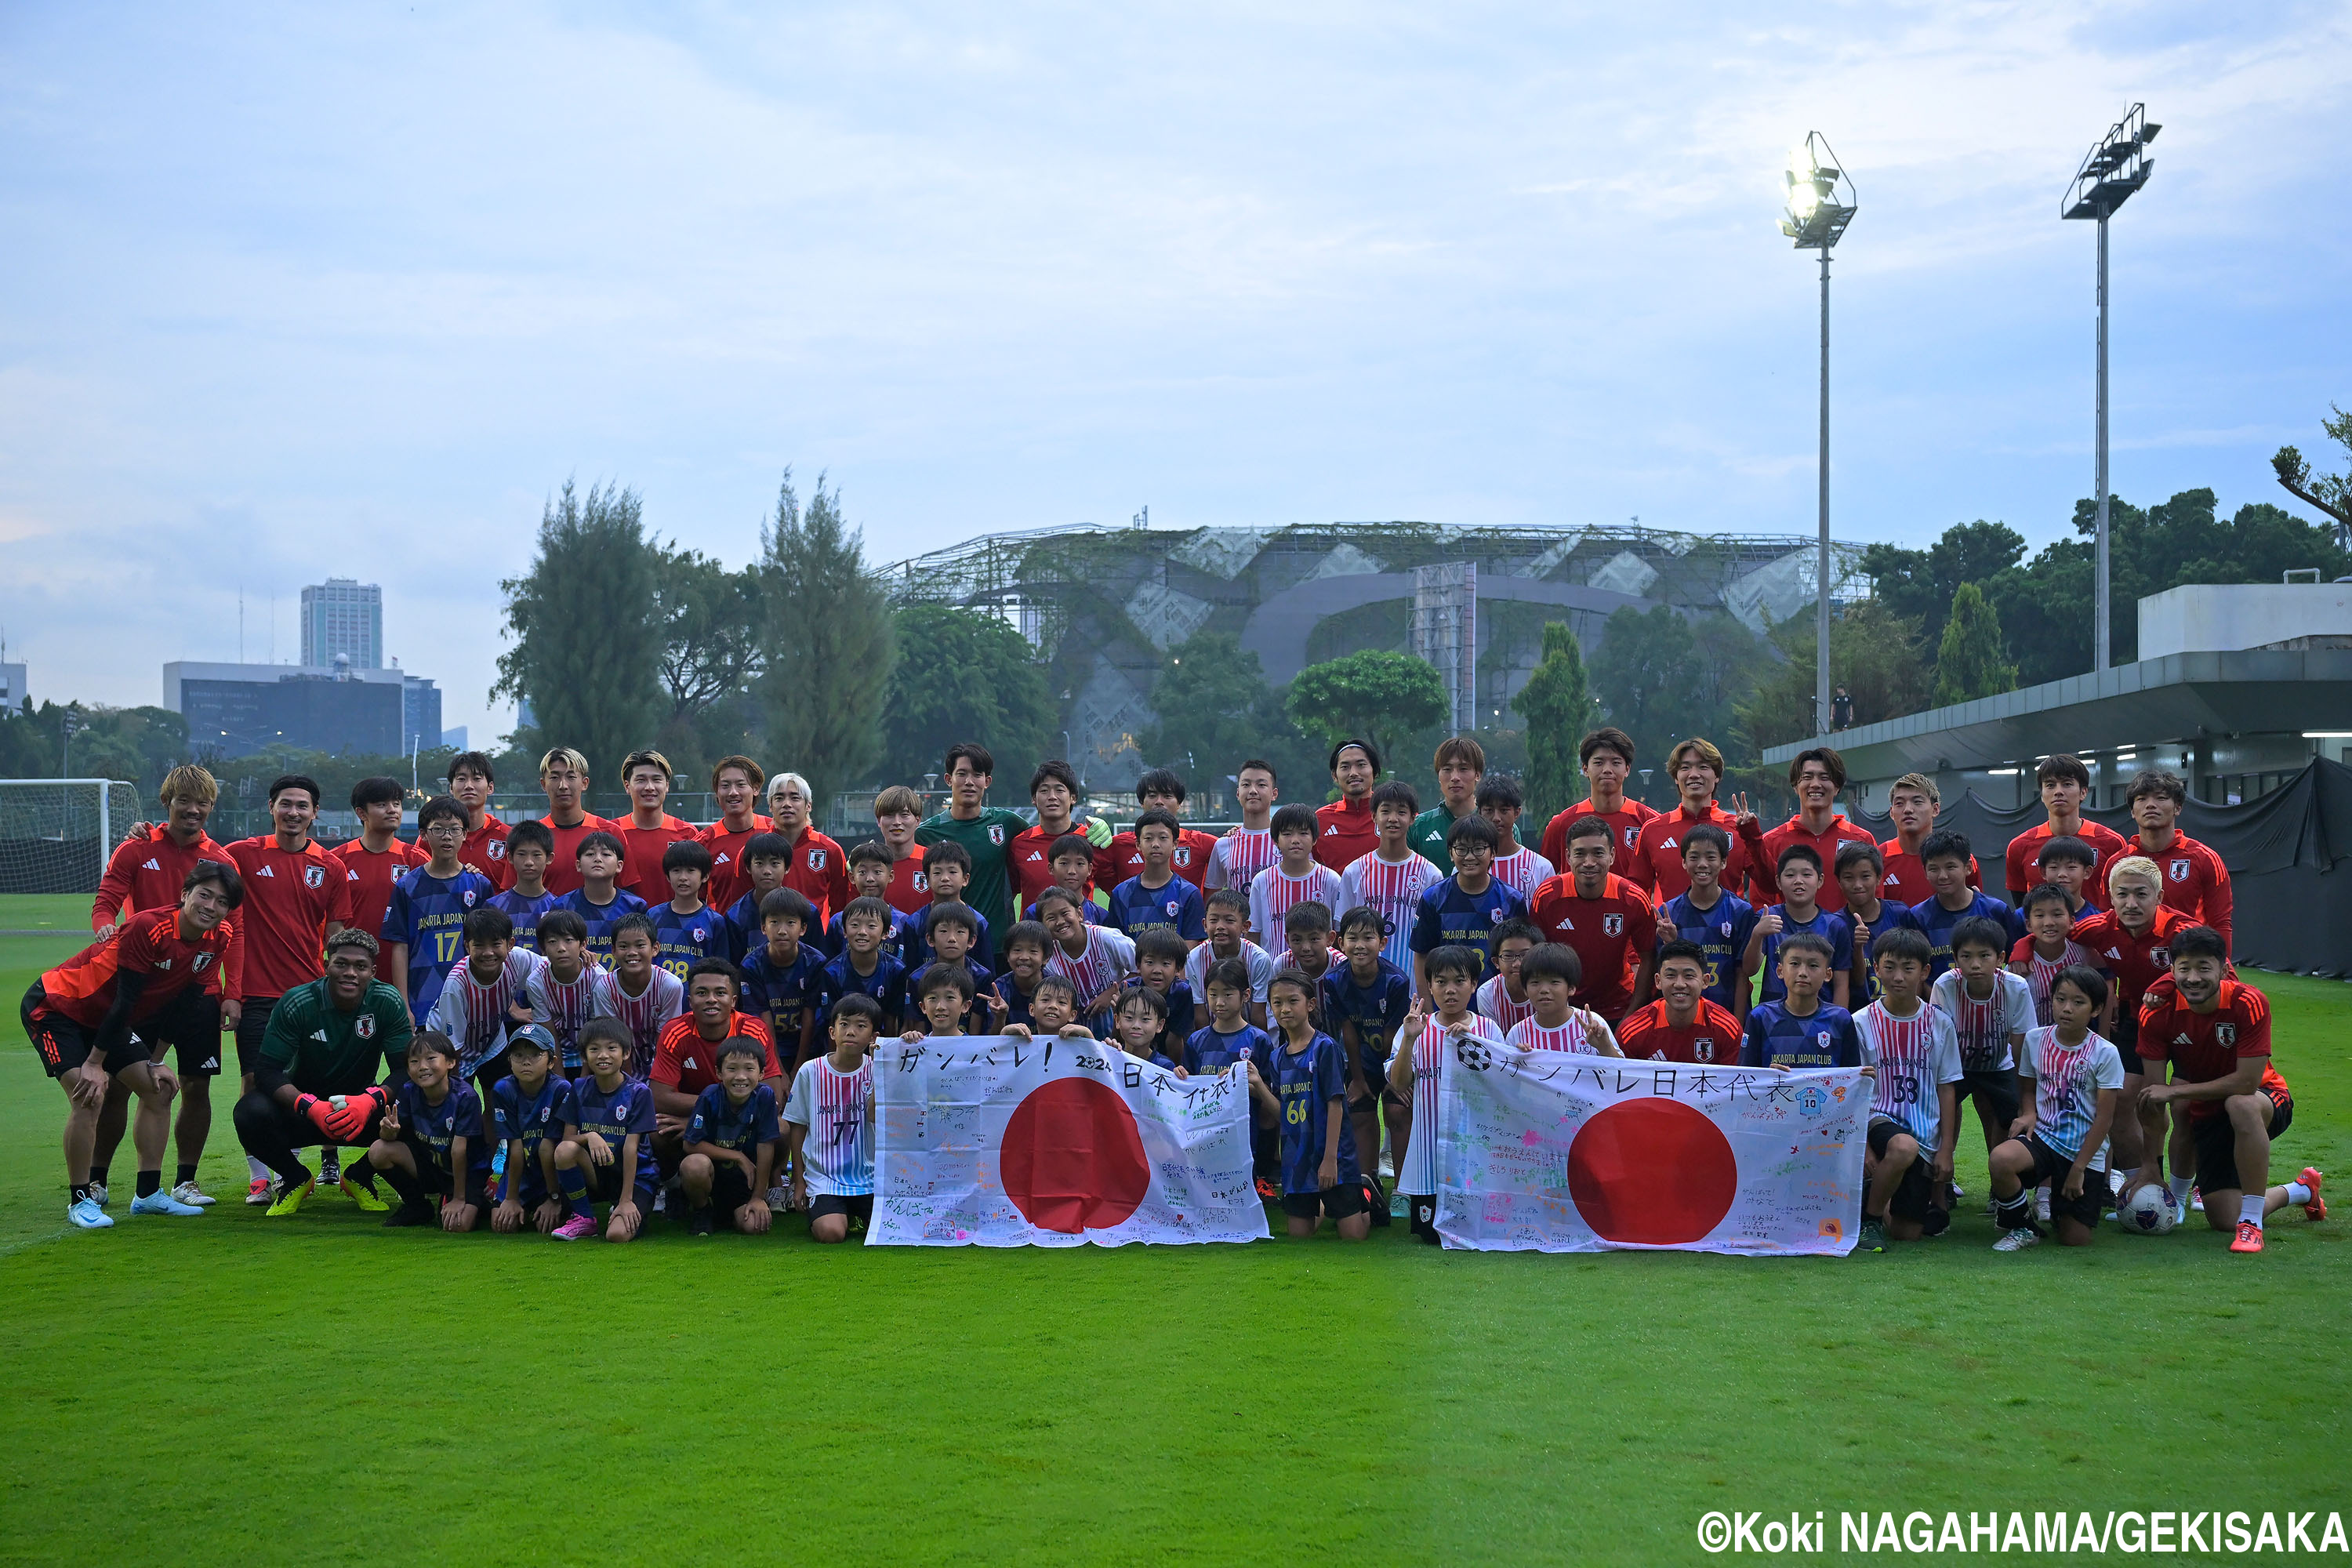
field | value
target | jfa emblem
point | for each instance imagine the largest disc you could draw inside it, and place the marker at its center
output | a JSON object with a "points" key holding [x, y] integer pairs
{"points": [[923, 883], [1183, 858], [205, 958], [497, 849], [1703, 1047], [365, 1027], [2225, 1034], [1612, 925], [314, 877], [996, 833], [2180, 870], [816, 859]]}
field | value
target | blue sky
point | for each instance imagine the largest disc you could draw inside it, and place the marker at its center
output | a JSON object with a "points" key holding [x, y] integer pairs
{"points": [[350, 289]]}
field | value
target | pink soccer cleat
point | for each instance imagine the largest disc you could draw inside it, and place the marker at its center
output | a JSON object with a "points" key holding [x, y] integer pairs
{"points": [[579, 1227], [2317, 1208], [2249, 1238]]}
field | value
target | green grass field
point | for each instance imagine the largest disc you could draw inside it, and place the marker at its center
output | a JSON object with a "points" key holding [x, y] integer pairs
{"points": [[319, 1389]]}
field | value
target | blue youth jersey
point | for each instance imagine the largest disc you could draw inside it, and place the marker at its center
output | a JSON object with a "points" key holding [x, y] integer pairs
{"points": [[1832, 928], [1891, 917], [975, 1017], [894, 940], [1376, 1008], [1307, 1082], [1016, 1001], [781, 994], [1175, 905], [534, 1120], [886, 985], [603, 917], [1209, 1051], [679, 940], [428, 913], [628, 1108], [438, 1127], [1721, 931], [1448, 915], [1938, 922], [1180, 1010], [1776, 1037], [914, 932], [525, 912], [723, 1124]]}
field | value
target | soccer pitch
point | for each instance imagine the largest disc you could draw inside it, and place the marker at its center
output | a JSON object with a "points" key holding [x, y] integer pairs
{"points": [[319, 1389]]}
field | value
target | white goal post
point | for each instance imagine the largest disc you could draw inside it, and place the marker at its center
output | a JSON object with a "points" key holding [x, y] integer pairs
{"points": [[55, 835]]}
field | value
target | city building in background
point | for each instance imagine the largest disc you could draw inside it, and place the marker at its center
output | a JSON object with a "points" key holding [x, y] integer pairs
{"points": [[420, 714], [12, 686], [343, 618], [237, 709]]}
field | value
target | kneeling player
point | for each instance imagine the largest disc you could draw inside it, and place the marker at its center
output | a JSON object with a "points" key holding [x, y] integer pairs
{"points": [[430, 1144], [529, 1108], [2070, 1079], [2216, 1033], [607, 1152], [829, 1119], [730, 1143], [1915, 1097]]}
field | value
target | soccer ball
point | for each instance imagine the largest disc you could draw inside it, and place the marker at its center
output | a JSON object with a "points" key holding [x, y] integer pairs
{"points": [[2148, 1212]]}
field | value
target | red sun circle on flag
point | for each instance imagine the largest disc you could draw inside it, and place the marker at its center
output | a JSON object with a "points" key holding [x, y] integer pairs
{"points": [[1653, 1171], [1073, 1157]]}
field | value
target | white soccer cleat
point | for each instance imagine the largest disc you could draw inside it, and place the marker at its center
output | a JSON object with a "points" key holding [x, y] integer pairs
{"points": [[97, 1193], [261, 1191], [193, 1195], [87, 1215], [2041, 1207], [2016, 1240], [160, 1202]]}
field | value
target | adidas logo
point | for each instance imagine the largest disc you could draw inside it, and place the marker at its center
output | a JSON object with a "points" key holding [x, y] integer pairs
{"points": [[320, 1035], [162, 963], [1328, 833], [150, 866], [266, 871]]}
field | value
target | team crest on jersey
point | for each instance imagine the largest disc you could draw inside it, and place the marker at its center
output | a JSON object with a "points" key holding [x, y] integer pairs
{"points": [[1725, 929], [468, 896], [365, 1027], [1703, 1047], [2180, 870], [2225, 1035], [996, 833], [1171, 907], [1612, 925], [1183, 858], [816, 860], [699, 932], [202, 959], [497, 849], [1821, 1039], [313, 876]]}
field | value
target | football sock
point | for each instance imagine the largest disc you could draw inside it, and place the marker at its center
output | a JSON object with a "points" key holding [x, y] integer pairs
{"points": [[2249, 1207], [97, 1175], [149, 1181], [78, 1193], [2014, 1214], [575, 1191], [2179, 1186], [186, 1173], [2296, 1193], [255, 1170], [411, 1190]]}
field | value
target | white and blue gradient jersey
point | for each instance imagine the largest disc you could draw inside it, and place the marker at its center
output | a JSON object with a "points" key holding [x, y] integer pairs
{"points": [[1391, 890], [2066, 1084], [1915, 1058], [1986, 1025], [1418, 1175], [837, 1154], [476, 1015]]}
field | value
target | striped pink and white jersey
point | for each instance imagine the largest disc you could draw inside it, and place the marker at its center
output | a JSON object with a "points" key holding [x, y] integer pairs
{"points": [[663, 998], [568, 1006], [1110, 957], [1494, 1001], [1261, 970], [1523, 871], [2040, 972], [1239, 857], [2066, 1084], [1391, 890], [1576, 1035], [1274, 894], [1914, 1057], [476, 1015], [1418, 1174], [837, 1153], [1985, 1026]]}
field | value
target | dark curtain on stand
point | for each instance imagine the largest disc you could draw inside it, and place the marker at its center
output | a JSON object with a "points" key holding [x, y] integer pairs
{"points": [[2285, 854]]}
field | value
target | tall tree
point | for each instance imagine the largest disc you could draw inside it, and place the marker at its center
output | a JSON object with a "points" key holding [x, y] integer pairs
{"points": [[1919, 584], [587, 644], [1874, 653], [827, 642], [2331, 493], [1971, 662], [1380, 696], [1646, 670], [964, 675], [1216, 710], [1558, 704], [711, 621]]}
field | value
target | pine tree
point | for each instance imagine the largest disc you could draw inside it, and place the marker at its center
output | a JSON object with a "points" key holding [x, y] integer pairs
{"points": [[828, 643], [1558, 704], [1970, 663], [587, 644]]}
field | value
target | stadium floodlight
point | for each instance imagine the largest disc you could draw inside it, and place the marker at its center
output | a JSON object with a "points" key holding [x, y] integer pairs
{"points": [[1820, 204], [2113, 170]]}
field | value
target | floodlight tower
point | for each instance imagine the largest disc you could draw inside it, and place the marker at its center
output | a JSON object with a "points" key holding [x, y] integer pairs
{"points": [[2115, 168], [1815, 218]]}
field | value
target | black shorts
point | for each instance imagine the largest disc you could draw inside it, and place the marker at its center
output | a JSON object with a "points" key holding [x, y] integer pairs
{"points": [[855, 1206], [2217, 1145], [189, 1021], [434, 1176], [605, 1185], [1423, 1210], [65, 1045], [1342, 1202], [1913, 1195], [2051, 1166], [1995, 1091], [252, 1028], [730, 1189]]}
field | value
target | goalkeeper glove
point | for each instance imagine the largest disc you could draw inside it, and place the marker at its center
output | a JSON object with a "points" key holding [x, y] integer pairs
{"points": [[321, 1114], [1097, 832], [353, 1119]]}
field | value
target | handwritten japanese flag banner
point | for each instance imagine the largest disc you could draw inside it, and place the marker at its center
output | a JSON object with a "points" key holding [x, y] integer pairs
{"points": [[1551, 1151], [998, 1142]]}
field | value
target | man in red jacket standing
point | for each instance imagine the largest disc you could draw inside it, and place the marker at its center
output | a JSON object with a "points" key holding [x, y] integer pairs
{"points": [[1817, 775]]}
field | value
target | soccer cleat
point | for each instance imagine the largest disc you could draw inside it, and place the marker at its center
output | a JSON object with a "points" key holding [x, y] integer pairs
{"points": [[368, 1202], [331, 1166], [261, 1191], [2197, 1199], [289, 1200], [579, 1227], [97, 1193], [2041, 1207], [407, 1214], [1873, 1237], [160, 1202], [2249, 1238], [87, 1215], [189, 1192], [777, 1197], [2317, 1208], [700, 1222], [661, 1200], [2017, 1240]]}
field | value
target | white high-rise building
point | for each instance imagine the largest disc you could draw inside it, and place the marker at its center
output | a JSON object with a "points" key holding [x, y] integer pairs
{"points": [[342, 617]]}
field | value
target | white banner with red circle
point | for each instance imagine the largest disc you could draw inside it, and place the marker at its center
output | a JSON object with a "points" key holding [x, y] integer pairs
{"points": [[998, 1142], [1552, 1152]]}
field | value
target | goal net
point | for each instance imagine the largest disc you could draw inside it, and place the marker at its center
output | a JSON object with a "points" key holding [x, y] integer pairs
{"points": [[55, 834]]}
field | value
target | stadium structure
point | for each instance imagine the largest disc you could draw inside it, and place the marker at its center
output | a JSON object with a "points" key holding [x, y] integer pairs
{"points": [[1103, 606]]}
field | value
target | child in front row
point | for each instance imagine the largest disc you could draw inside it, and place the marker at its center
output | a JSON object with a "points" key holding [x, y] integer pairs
{"points": [[829, 1124], [1052, 1013], [1551, 973], [943, 1000], [1915, 1106], [1141, 1021], [731, 1144], [607, 1152], [1025, 946], [528, 1109], [430, 1144], [1160, 957], [1304, 1088], [1414, 1058], [2072, 1079]]}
